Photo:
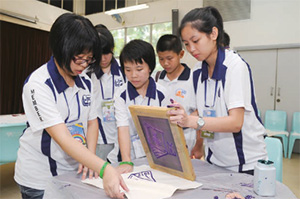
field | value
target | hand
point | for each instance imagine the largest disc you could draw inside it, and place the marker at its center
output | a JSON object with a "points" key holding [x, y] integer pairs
{"points": [[197, 152], [84, 170], [112, 181], [178, 115], [124, 168]]}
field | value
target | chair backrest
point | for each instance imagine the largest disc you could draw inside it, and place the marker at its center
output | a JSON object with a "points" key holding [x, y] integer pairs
{"points": [[296, 122], [275, 120], [9, 142], [274, 150]]}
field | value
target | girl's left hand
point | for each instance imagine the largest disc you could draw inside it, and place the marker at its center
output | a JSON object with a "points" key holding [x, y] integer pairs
{"points": [[85, 170]]}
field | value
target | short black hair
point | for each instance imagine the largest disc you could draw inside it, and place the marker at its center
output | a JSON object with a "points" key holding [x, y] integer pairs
{"points": [[136, 51], [71, 35], [169, 42], [107, 39], [226, 40]]}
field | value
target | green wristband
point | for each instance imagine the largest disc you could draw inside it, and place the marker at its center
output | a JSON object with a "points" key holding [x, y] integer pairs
{"points": [[130, 163], [102, 169]]}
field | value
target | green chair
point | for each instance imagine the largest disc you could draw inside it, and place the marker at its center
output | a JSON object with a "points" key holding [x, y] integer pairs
{"points": [[295, 133], [274, 150], [276, 125], [9, 141]]}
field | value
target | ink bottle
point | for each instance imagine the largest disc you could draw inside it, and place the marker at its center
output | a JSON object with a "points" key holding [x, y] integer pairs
{"points": [[265, 178]]}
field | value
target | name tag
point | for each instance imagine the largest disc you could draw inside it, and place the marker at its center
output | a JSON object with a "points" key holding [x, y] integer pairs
{"points": [[208, 113], [108, 111]]}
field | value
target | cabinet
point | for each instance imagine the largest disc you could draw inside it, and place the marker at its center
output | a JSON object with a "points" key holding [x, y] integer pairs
{"points": [[276, 76]]}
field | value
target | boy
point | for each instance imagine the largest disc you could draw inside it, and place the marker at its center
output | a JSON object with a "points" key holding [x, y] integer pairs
{"points": [[177, 77], [137, 61]]}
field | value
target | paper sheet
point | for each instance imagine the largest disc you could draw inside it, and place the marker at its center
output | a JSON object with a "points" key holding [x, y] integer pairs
{"points": [[148, 183]]}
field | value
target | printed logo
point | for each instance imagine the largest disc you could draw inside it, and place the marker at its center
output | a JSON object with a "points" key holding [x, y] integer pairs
{"points": [[118, 82], [143, 175], [86, 100], [180, 93]]}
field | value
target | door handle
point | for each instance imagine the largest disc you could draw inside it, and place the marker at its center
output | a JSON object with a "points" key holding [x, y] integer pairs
{"points": [[271, 91], [278, 94]]}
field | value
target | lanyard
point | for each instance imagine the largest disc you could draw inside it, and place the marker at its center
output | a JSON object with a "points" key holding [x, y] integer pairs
{"points": [[205, 90], [78, 105], [113, 88]]}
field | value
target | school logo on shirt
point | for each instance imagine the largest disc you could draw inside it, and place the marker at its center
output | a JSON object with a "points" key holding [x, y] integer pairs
{"points": [[86, 100], [180, 92], [118, 82]]}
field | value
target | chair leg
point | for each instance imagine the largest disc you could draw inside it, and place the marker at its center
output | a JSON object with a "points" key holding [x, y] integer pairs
{"points": [[291, 146], [285, 145]]}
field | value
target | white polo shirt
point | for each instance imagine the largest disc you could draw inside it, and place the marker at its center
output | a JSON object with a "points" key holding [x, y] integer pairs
{"points": [[49, 101], [231, 86], [105, 86], [127, 95], [182, 91]]}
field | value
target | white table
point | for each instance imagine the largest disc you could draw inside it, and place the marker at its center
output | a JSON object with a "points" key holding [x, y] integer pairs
{"points": [[217, 183]]}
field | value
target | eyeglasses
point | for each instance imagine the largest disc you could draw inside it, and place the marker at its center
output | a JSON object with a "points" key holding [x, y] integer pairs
{"points": [[82, 61]]}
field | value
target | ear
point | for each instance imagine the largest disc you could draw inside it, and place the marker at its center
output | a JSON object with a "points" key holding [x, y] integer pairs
{"points": [[214, 33], [181, 54]]}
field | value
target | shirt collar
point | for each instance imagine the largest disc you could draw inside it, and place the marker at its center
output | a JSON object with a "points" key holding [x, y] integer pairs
{"points": [[219, 70], [183, 76], [114, 69], [58, 80], [151, 90]]}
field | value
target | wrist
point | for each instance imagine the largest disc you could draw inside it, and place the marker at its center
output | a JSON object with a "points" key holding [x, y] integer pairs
{"points": [[103, 169], [126, 162], [200, 123]]}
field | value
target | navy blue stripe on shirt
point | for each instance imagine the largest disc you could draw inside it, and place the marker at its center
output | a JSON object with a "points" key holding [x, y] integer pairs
{"points": [[49, 83], [87, 83], [123, 95], [209, 156], [45, 147], [161, 96], [238, 141], [102, 131], [196, 75]]}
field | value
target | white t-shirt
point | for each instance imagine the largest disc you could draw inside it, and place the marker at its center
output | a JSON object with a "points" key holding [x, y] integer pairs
{"points": [[105, 86], [230, 87], [182, 91], [49, 101], [127, 95]]}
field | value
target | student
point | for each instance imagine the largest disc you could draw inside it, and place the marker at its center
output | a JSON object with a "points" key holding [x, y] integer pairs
{"points": [[106, 80], [178, 78], [59, 105], [233, 132], [137, 61]]}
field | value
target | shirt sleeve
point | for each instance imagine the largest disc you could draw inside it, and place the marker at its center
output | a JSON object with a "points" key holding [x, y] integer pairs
{"points": [[237, 86], [40, 106]]}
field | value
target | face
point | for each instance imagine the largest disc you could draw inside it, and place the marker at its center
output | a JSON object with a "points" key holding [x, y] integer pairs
{"points": [[138, 74], [80, 62], [106, 60], [170, 60], [199, 44]]}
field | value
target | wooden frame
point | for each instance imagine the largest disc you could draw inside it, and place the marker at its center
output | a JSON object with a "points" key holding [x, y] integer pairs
{"points": [[164, 143]]}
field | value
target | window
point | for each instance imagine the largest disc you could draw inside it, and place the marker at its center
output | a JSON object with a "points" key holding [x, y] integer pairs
{"points": [[150, 33], [64, 4]]}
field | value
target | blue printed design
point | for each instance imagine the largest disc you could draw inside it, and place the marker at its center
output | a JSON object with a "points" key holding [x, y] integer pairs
{"points": [[143, 175], [86, 100], [160, 147]]}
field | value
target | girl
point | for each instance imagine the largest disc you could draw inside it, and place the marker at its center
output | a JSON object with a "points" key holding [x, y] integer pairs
{"points": [[107, 79], [59, 105], [228, 119]]}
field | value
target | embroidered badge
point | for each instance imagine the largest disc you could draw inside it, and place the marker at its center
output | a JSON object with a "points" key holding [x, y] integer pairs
{"points": [[86, 100], [180, 93]]}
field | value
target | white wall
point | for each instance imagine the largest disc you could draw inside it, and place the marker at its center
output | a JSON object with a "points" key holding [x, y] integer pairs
{"points": [[273, 22]]}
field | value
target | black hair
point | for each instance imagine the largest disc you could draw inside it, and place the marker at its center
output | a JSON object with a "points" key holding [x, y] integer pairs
{"points": [[138, 51], [169, 42], [226, 40], [71, 35], [204, 19], [107, 39]]}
